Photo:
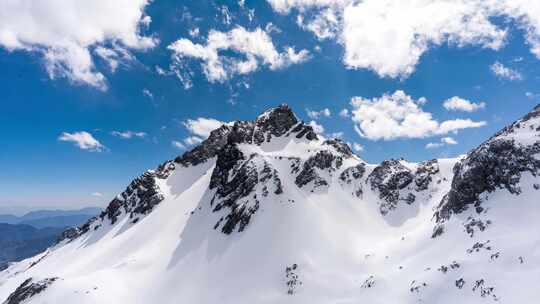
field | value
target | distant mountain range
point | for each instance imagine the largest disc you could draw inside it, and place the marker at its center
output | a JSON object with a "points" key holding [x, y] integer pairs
{"points": [[51, 218], [24, 236]]}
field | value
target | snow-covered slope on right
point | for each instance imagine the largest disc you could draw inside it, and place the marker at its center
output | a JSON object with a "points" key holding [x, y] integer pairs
{"points": [[494, 200]]}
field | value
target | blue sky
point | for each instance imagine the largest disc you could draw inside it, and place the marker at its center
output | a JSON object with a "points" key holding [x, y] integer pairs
{"points": [[46, 101]]}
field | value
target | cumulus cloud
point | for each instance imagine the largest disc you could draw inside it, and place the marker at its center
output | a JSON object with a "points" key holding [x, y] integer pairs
{"points": [[443, 142], [459, 104], [344, 113], [66, 32], [504, 72], [178, 145], [285, 6], [389, 37], [237, 52], [128, 134], [319, 129], [83, 140], [317, 114], [357, 147], [398, 115], [200, 129], [192, 140], [202, 126]]}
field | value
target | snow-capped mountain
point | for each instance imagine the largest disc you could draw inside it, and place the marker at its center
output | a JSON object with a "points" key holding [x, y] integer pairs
{"points": [[268, 211]]}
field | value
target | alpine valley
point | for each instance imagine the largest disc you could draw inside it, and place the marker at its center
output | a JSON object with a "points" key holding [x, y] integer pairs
{"points": [[268, 211]]}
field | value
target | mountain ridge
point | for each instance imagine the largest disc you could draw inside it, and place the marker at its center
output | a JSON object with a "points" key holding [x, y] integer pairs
{"points": [[268, 211]]}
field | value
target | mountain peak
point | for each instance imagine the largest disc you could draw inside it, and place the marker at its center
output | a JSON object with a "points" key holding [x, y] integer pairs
{"points": [[278, 120]]}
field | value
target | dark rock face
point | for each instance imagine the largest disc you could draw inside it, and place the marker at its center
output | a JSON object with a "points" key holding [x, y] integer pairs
{"points": [[424, 174], [72, 233], [236, 180], [496, 164], [351, 176], [275, 122], [388, 179], [340, 146], [139, 198], [323, 160], [28, 289], [207, 149]]}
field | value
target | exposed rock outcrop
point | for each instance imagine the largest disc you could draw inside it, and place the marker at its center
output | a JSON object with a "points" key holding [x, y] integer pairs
{"points": [[387, 180], [496, 164], [28, 289], [424, 174], [240, 182], [352, 176]]}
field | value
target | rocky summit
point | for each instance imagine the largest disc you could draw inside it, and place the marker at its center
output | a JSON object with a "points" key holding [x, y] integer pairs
{"points": [[268, 211]]}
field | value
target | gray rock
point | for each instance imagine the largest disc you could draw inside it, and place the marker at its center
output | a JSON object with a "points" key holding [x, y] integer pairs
{"points": [[28, 289]]}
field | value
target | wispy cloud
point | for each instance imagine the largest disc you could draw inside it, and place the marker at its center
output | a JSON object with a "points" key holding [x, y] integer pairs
{"points": [[460, 104], [504, 72], [128, 134], [83, 140]]}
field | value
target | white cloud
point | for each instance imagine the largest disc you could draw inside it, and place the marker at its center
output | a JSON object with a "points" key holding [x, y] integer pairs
{"points": [[390, 36], [319, 129], [285, 6], [97, 194], [504, 72], [192, 140], [128, 134], [336, 135], [449, 141], [324, 25], [83, 140], [316, 114], [459, 104], [433, 145], [114, 56], [398, 115], [344, 113], [65, 33], [444, 141], [357, 147], [255, 48], [194, 32], [200, 129], [178, 145], [202, 126], [147, 93]]}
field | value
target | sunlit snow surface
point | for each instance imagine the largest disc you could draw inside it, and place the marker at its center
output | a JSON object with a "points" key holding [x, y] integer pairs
{"points": [[345, 250]]}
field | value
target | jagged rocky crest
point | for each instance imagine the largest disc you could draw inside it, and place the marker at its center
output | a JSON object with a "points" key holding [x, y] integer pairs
{"points": [[497, 163], [143, 193], [395, 182], [240, 181]]}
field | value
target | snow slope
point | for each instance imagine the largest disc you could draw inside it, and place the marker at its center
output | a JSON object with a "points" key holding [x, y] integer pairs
{"points": [[270, 212]]}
